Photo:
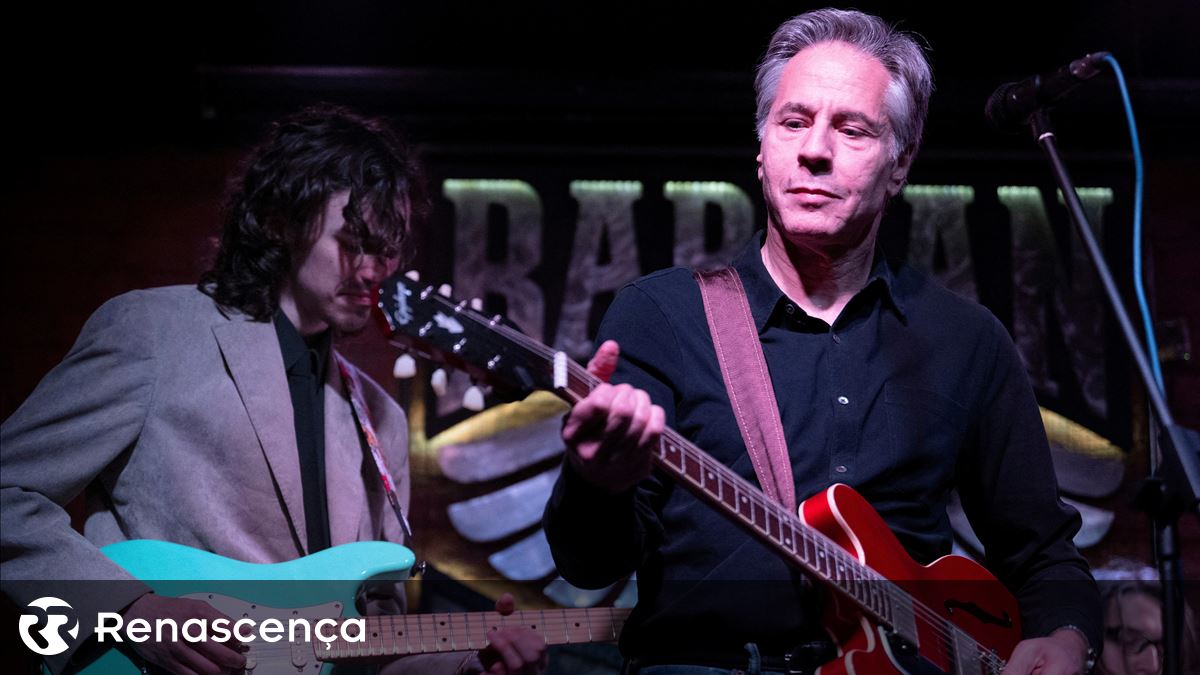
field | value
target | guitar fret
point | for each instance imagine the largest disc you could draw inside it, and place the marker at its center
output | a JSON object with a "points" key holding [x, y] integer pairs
{"points": [[868, 590], [454, 641], [728, 493], [712, 484], [695, 472], [675, 457], [773, 529], [372, 642], [421, 644], [860, 588], [447, 638]]}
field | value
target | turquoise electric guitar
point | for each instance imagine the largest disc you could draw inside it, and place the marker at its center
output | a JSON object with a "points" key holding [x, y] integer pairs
{"points": [[330, 580]]}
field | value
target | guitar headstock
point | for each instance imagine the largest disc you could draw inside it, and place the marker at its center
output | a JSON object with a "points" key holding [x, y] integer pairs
{"points": [[428, 321]]}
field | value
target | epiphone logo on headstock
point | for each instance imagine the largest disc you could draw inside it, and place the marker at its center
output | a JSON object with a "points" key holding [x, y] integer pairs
{"points": [[403, 313]]}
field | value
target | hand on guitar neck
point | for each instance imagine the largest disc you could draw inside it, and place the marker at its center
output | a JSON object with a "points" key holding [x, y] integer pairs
{"points": [[611, 433], [512, 651]]}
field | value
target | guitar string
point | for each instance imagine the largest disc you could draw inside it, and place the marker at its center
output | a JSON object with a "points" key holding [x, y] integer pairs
{"points": [[940, 627], [517, 619]]}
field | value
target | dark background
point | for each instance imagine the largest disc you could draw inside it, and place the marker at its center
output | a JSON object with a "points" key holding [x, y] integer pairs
{"points": [[124, 121]]}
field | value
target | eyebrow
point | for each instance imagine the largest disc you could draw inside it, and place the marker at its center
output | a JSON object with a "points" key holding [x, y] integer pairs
{"points": [[841, 115]]}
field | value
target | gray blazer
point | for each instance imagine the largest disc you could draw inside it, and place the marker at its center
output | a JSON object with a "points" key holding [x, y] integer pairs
{"points": [[175, 421]]}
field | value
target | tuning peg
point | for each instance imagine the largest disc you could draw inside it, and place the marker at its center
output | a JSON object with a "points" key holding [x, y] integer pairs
{"points": [[405, 367], [444, 290], [413, 275], [438, 381], [473, 398], [477, 304], [560, 370]]}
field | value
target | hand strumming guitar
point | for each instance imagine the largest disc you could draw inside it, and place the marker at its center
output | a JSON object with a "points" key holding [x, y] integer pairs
{"points": [[210, 657]]}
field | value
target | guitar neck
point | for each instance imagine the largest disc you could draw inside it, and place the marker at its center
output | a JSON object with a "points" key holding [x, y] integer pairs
{"points": [[777, 527], [769, 521], [404, 634]]}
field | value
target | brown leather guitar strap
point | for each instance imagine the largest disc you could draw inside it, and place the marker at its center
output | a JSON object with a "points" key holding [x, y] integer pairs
{"points": [[747, 381]]}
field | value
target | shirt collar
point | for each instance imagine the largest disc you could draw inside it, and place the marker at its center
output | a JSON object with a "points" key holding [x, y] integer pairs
{"points": [[296, 349], [764, 295]]}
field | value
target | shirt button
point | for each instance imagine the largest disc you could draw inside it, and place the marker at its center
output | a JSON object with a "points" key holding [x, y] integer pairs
{"points": [[843, 400], [840, 468], [789, 308], [836, 338]]}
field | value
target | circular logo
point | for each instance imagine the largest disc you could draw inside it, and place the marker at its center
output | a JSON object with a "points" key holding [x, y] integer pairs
{"points": [[43, 624]]}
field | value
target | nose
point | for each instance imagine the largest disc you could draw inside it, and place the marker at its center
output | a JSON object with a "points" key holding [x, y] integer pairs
{"points": [[374, 268], [816, 148]]}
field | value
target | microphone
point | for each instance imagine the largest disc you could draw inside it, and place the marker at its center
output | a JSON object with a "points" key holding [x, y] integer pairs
{"points": [[1012, 104]]}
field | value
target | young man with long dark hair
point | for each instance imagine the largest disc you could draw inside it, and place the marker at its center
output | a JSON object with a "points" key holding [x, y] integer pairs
{"points": [[219, 416]]}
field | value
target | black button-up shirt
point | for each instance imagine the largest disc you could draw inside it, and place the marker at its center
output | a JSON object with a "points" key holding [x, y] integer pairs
{"points": [[911, 393], [305, 363]]}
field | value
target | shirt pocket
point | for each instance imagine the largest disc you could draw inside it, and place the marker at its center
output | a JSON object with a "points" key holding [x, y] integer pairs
{"points": [[925, 430]]}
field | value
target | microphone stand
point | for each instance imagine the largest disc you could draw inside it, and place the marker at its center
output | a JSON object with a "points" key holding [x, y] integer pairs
{"points": [[1167, 494]]}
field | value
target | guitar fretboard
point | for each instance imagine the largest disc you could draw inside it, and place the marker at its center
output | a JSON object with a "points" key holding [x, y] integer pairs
{"points": [[783, 531], [399, 635], [776, 526]]}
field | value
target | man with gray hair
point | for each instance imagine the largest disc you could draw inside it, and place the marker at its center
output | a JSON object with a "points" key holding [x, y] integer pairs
{"points": [[884, 381]]}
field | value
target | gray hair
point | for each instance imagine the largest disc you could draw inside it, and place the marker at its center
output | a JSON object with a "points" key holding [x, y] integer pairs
{"points": [[907, 96]]}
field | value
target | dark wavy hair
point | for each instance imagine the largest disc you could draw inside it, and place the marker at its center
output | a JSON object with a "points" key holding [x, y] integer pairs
{"points": [[275, 201]]}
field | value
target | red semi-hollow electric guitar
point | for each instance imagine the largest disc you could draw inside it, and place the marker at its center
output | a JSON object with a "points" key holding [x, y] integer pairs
{"points": [[889, 613]]}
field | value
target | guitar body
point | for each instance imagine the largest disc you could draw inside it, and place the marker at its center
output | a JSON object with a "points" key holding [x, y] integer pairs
{"points": [[330, 581], [958, 590]]}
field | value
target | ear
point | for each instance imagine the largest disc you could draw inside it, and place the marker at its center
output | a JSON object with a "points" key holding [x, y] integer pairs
{"points": [[758, 161], [900, 171]]}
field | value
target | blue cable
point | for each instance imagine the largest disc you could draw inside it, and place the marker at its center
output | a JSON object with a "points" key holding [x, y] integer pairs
{"points": [[1143, 306]]}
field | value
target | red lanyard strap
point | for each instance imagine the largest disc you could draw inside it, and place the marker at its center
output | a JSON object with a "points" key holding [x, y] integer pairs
{"points": [[744, 369], [363, 417]]}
